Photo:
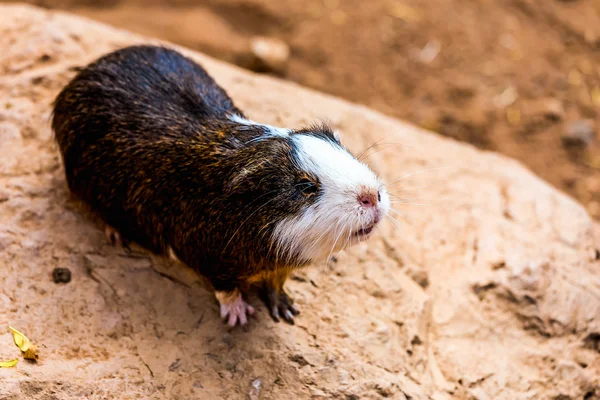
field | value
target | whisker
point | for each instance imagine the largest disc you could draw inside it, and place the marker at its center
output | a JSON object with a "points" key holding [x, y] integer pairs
{"points": [[403, 216], [411, 204], [373, 145], [405, 198], [331, 227], [348, 238], [334, 243], [395, 223], [383, 138], [332, 247], [386, 145], [412, 188], [240, 227], [418, 199], [318, 240], [378, 229], [413, 174]]}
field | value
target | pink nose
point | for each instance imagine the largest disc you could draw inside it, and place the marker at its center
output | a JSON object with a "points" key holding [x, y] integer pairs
{"points": [[368, 199]]}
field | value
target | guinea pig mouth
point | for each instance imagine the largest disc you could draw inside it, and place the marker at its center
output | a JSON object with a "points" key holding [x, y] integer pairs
{"points": [[364, 231]]}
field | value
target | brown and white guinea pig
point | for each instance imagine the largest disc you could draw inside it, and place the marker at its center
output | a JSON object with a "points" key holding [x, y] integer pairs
{"points": [[159, 151]]}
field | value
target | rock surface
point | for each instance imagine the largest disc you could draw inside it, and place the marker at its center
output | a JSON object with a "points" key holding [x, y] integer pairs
{"points": [[492, 291]]}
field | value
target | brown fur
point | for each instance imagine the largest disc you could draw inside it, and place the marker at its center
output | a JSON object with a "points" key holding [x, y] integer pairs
{"points": [[147, 142]]}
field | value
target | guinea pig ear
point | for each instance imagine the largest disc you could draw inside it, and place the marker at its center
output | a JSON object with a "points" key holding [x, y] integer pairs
{"points": [[241, 181]]}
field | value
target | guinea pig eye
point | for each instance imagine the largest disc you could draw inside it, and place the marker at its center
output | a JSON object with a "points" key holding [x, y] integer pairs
{"points": [[307, 187]]}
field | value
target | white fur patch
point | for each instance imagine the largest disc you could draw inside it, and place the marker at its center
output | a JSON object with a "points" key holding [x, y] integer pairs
{"points": [[269, 130], [329, 224]]}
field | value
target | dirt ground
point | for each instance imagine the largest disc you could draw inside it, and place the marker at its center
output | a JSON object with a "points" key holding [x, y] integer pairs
{"points": [[513, 76]]}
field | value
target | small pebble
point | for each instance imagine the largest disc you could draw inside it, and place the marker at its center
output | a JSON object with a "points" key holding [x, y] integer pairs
{"points": [[270, 54], [299, 359], [174, 365], [228, 340], [506, 98], [579, 133], [550, 108], [254, 393], [61, 275], [430, 52]]}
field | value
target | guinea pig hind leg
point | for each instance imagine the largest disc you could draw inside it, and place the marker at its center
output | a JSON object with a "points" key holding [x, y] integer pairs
{"points": [[233, 307], [279, 303]]}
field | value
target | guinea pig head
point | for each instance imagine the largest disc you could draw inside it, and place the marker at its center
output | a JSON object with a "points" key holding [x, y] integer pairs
{"points": [[316, 196]]}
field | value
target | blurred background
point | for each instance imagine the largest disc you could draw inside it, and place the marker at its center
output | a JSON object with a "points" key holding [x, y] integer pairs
{"points": [[521, 77]]}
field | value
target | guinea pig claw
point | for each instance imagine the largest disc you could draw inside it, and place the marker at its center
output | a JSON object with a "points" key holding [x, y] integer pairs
{"points": [[275, 313], [287, 309], [294, 310], [239, 314], [234, 309], [287, 315], [280, 305]]}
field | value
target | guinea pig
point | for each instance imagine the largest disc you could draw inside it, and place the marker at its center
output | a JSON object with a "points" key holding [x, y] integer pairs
{"points": [[162, 155]]}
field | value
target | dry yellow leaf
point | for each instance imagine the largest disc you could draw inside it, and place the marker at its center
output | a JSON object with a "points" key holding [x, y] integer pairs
{"points": [[21, 340], [24, 344], [9, 364], [31, 353]]}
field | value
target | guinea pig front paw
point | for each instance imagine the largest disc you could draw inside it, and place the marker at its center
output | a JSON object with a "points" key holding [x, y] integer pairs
{"points": [[280, 305], [234, 308]]}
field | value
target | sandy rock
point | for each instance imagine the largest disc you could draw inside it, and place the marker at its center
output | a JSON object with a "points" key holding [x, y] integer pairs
{"points": [[510, 309]]}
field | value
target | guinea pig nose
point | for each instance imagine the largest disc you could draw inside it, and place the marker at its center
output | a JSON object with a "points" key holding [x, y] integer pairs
{"points": [[368, 199]]}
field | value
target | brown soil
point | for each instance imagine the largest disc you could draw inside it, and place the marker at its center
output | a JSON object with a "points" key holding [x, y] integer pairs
{"points": [[510, 75]]}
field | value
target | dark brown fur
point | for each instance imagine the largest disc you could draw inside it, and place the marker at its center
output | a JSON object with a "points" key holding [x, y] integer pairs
{"points": [[147, 144]]}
